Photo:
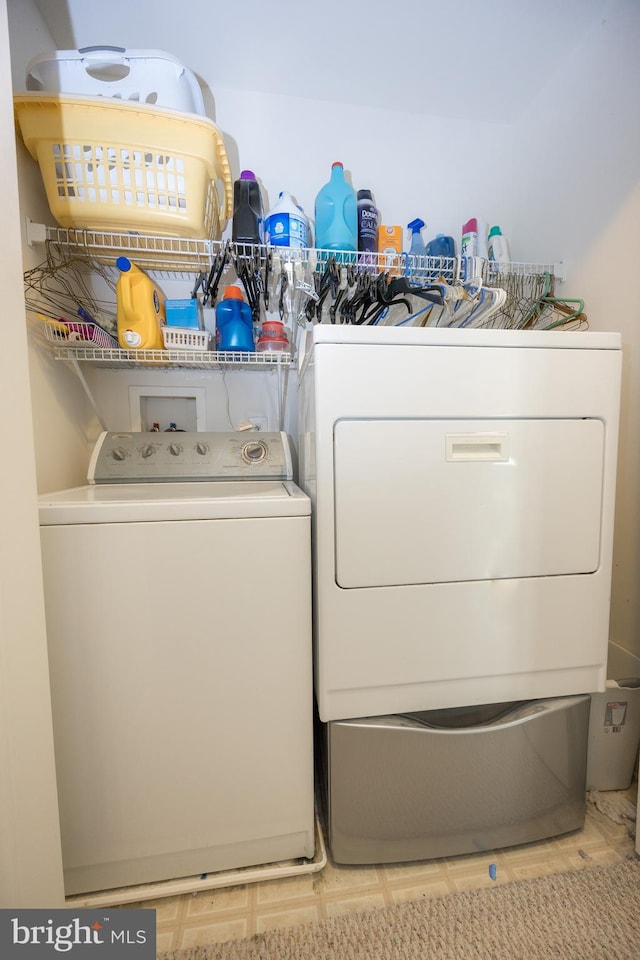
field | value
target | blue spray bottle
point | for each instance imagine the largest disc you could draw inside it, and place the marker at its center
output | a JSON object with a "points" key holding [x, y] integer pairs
{"points": [[417, 247]]}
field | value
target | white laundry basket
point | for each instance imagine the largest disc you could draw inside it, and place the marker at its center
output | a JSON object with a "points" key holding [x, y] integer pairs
{"points": [[614, 735], [139, 76]]}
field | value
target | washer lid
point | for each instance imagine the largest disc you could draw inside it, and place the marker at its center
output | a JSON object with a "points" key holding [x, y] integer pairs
{"points": [[149, 502]]}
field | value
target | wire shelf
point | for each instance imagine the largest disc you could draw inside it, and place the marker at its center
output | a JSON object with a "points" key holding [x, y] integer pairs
{"points": [[186, 255], [179, 255], [166, 359], [299, 283], [494, 272], [79, 344], [167, 254]]}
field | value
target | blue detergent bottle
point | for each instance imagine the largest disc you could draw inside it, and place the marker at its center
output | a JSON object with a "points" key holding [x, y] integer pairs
{"points": [[441, 246], [234, 323], [336, 213]]}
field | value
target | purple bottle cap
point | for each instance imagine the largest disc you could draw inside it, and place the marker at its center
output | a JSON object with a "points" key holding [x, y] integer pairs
{"points": [[247, 175]]}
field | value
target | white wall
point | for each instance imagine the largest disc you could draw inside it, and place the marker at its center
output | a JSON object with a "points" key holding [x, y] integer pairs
{"points": [[578, 142], [442, 170], [230, 398], [63, 423]]}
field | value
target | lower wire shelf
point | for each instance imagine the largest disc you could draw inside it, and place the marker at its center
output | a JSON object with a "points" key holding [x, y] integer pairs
{"points": [[88, 343], [168, 359]]}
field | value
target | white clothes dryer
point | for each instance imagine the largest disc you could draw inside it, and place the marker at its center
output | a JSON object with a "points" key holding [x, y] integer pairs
{"points": [[463, 486], [178, 595]]}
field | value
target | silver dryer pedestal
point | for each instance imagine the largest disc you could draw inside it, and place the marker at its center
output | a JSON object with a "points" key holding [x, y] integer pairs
{"points": [[449, 782]]}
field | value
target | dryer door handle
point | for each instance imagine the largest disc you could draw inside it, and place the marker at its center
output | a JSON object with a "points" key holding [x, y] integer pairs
{"points": [[477, 446]]}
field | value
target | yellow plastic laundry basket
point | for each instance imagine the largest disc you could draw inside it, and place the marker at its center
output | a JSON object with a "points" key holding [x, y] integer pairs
{"points": [[126, 167]]}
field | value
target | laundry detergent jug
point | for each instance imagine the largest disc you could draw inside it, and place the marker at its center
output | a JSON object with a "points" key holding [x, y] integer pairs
{"points": [[286, 224], [336, 212], [247, 225], [234, 323], [140, 308]]}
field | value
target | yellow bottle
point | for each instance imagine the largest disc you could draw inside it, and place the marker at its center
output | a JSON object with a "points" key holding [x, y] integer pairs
{"points": [[140, 306]]}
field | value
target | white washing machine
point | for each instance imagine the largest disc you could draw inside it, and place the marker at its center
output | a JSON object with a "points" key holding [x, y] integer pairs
{"points": [[463, 487], [178, 595]]}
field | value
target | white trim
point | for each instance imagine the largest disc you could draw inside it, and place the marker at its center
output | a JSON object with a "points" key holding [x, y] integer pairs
{"points": [[30, 854]]}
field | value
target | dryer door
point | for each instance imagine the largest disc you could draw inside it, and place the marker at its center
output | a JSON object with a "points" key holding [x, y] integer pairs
{"points": [[435, 501]]}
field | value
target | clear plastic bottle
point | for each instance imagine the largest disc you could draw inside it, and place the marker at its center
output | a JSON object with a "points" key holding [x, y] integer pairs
{"points": [[336, 213], [248, 217], [368, 220], [140, 308], [234, 322]]}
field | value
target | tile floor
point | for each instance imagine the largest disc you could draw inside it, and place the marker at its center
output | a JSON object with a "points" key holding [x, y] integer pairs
{"points": [[235, 912]]}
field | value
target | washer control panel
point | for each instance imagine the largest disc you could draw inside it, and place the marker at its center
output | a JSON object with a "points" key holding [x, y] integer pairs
{"points": [[176, 456]]}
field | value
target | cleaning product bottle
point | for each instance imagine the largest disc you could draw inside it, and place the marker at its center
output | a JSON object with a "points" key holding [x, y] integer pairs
{"points": [[336, 213], [234, 322], [469, 242], [498, 246], [286, 224], [309, 223], [140, 308], [248, 217], [367, 222], [441, 246], [417, 247], [482, 228]]}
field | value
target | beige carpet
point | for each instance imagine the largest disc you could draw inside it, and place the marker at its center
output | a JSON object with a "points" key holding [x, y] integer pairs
{"points": [[590, 914]]}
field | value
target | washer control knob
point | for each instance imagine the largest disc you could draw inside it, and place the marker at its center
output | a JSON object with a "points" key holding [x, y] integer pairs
{"points": [[254, 452], [175, 449], [147, 451], [118, 453], [202, 448]]}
